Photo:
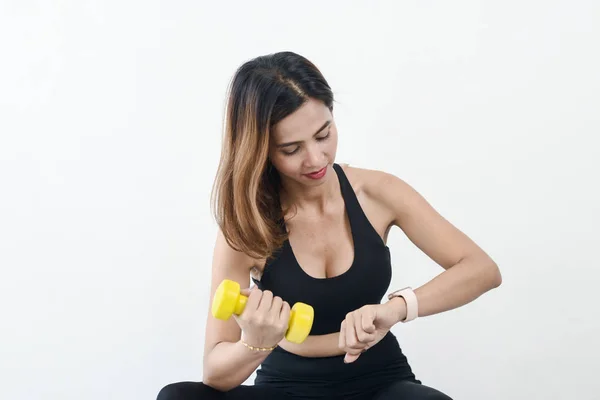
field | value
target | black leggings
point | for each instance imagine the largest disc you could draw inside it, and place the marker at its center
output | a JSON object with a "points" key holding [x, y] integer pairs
{"points": [[401, 390], [381, 373]]}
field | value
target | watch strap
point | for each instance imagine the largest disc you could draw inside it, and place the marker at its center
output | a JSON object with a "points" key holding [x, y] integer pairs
{"points": [[412, 305]]}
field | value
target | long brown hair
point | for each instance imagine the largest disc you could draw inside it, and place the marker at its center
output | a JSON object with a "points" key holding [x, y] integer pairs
{"points": [[245, 195]]}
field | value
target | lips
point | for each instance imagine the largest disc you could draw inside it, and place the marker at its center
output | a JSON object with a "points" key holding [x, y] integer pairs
{"points": [[318, 174]]}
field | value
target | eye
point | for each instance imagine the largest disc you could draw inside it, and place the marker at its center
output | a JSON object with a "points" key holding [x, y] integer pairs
{"points": [[290, 153], [324, 137]]}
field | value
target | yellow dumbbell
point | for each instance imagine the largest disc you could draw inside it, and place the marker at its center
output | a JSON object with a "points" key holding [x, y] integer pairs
{"points": [[228, 300]]}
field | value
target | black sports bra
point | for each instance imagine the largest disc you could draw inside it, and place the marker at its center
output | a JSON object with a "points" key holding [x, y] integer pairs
{"points": [[366, 282]]}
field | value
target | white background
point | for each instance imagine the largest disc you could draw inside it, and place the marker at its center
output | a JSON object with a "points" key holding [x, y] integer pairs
{"points": [[110, 123]]}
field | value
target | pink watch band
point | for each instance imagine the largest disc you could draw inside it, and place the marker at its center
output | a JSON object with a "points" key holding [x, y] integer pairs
{"points": [[412, 305]]}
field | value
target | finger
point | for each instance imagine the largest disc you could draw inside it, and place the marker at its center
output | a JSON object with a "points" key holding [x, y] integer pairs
{"points": [[348, 358], [362, 336], [276, 305], [368, 319], [246, 291], [284, 314], [253, 301], [352, 354], [351, 339], [342, 338], [265, 301]]}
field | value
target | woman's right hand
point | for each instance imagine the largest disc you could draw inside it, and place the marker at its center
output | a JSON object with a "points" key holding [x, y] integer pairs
{"points": [[265, 318]]}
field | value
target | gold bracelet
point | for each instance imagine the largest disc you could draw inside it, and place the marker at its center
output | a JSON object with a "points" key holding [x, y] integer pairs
{"points": [[257, 348]]}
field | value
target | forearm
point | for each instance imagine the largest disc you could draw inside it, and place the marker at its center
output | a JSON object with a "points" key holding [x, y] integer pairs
{"points": [[458, 285], [229, 365], [315, 346]]}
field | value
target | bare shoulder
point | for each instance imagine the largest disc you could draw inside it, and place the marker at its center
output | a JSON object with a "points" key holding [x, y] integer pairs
{"points": [[373, 182], [357, 176], [387, 190]]}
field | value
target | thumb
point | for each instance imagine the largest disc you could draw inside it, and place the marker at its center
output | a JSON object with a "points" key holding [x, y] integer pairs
{"points": [[246, 291], [351, 357]]}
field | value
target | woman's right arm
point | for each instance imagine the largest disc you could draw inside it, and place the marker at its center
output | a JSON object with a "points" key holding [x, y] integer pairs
{"points": [[227, 362]]}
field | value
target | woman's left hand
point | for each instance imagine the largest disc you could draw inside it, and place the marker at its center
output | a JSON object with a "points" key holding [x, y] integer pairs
{"points": [[365, 327]]}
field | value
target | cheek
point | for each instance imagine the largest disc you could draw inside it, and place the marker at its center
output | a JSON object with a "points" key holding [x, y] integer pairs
{"points": [[284, 164], [334, 142], [331, 145]]}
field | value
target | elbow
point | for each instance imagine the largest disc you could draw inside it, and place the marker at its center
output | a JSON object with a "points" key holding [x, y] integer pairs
{"points": [[216, 383], [209, 377], [485, 274], [219, 380], [214, 376], [495, 277]]}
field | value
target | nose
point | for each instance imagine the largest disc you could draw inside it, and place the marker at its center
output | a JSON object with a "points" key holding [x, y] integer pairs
{"points": [[314, 157]]}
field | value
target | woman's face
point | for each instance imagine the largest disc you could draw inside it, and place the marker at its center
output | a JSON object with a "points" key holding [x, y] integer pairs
{"points": [[303, 143]]}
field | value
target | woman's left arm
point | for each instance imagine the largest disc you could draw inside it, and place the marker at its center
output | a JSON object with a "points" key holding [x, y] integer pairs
{"points": [[469, 271]]}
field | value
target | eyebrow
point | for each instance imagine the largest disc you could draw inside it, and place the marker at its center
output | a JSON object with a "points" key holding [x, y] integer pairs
{"points": [[325, 125]]}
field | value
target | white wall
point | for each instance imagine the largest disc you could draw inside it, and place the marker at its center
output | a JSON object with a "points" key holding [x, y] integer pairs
{"points": [[110, 118]]}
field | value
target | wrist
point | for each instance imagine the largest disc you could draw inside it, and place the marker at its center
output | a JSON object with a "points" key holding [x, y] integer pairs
{"points": [[248, 350], [398, 305]]}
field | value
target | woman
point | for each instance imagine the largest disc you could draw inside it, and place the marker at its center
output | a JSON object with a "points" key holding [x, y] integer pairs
{"points": [[307, 229]]}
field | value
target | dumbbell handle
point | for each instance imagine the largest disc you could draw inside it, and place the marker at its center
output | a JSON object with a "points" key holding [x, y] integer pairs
{"points": [[300, 314], [238, 308], [240, 304]]}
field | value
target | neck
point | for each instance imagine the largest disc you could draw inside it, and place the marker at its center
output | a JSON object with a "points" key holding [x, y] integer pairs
{"points": [[312, 199]]}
